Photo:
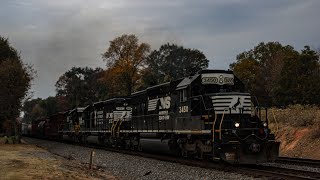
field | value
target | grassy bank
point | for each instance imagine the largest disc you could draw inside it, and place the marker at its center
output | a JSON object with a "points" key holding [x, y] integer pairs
{"points": [[298, 129]]}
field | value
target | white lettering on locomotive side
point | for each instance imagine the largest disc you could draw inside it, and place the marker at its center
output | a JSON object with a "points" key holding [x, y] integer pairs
{"points": [[164, 115], [120, 108], [163, 103], [217, 78], [183, 109], [100, 115], [123, 115], [109, 115], [128, 108], [163, 112]]}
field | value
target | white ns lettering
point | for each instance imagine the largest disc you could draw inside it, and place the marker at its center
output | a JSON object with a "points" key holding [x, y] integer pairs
{"points": [[165, 102]]}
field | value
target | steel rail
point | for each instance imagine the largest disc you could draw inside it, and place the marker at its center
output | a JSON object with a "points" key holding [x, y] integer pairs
{"points": [[299, 161]]}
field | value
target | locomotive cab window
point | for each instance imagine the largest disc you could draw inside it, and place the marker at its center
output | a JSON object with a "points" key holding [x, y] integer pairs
{"points": [[183, 95]]}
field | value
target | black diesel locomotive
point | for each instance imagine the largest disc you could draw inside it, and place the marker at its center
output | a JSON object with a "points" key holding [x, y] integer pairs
{"points": [[207, 115]]}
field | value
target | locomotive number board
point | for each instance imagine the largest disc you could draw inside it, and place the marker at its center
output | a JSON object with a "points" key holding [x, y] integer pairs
{"points": [[217, 78]]}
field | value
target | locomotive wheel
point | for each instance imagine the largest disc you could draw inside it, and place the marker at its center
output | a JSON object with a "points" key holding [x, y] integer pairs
{"points": [[139, 148], [132, 147], [199, 153]]}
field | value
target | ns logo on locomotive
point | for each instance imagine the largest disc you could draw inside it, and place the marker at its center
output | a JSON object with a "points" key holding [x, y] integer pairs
{"points": [[208, 115]]}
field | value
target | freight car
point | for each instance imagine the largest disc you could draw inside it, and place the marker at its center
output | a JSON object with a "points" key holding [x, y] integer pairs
{"points": [[25, 129], [53, 124], [45, 127], [207, 115], [37, 127]]}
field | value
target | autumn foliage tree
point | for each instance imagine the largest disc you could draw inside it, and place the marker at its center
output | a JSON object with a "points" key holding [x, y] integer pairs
{"points": [[15, 80], [125, 59]]}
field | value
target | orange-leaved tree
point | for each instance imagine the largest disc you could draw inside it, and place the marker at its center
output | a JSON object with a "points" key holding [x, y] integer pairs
{"points": [[125, 58]]}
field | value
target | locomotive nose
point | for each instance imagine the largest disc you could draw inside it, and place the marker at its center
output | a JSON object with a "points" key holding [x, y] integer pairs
{"points": [[254, 147]]}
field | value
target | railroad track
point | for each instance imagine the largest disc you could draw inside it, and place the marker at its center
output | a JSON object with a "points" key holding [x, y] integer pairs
{"points": [[299, 161], [281, 173], [250, 170]]}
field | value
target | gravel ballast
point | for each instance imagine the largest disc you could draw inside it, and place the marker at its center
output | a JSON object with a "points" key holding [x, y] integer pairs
{"points": [[133, 167]]}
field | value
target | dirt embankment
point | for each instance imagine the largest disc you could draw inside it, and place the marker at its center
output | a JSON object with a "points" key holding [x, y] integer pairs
{"points": [[298, 130], [299, 142], [22, 161]]}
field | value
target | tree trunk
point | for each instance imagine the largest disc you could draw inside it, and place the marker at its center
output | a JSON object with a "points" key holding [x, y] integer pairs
{"points": [[16, 132]]}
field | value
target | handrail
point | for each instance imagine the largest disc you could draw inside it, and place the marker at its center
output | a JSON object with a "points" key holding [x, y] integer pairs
{"points": [[112, 128], [77, 128], [118, 129], [252, 135], [275, 119], [213, 124], [220, 133], [115, 128]]}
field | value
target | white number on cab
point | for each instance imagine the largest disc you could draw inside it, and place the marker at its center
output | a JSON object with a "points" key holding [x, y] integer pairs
{"points": [[183, 109]]}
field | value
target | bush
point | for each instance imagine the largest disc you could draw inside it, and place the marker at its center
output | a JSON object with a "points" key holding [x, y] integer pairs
{"points": [[315, 133], [10, 140], [296, 115]]}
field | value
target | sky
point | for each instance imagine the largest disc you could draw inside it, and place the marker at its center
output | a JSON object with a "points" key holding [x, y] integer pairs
{"points": [[55, 35]]}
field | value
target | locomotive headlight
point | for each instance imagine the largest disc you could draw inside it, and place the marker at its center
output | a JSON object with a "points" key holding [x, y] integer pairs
{"points": [[237, 125], [265, 124]]}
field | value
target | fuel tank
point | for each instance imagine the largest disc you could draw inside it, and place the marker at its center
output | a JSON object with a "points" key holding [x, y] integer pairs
{"points": [[156, 145]]}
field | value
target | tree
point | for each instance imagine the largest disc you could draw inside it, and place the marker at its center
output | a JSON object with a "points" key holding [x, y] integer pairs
{"points": [[50, 105], [300, 79], [32, 110], [80, 86], [40, 108], [15, 80], [172, 62], [247, 71], [260, 68], [111, 80], [62, 103], [125, 58]]}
